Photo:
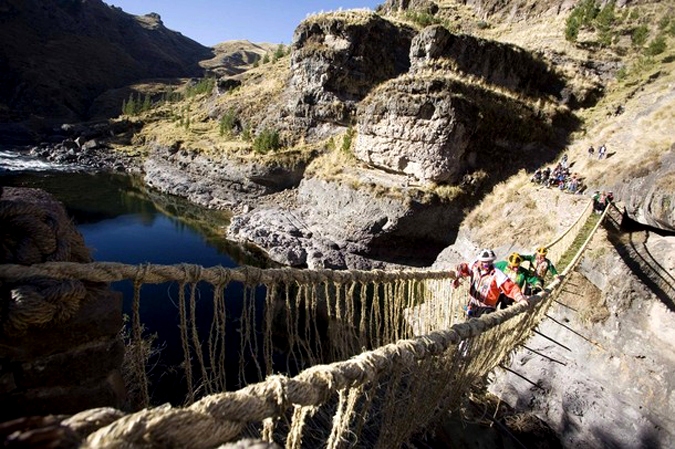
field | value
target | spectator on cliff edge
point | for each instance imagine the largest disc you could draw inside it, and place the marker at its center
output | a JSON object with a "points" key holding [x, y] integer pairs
{"points": [[487, 283]]}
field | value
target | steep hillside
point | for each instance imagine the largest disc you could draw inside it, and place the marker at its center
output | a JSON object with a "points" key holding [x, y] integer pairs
{"points": [[405, 108], [57, 56], [407, 138], [632, 117]]}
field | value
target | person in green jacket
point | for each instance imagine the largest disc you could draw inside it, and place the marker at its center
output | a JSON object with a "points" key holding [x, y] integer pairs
{"points": [[540, 267], [519, 275]]}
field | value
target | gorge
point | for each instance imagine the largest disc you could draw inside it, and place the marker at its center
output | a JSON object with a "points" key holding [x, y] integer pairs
{"points": [[406, 145]]}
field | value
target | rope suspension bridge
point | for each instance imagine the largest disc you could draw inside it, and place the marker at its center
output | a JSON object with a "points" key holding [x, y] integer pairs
{"points": [[367, 358]]}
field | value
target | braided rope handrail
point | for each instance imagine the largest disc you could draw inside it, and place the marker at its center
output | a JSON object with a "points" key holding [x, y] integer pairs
{"points": [[559, 244], [221, 417], [229, 412], [156, 274], [38, 311], [577, 257]]}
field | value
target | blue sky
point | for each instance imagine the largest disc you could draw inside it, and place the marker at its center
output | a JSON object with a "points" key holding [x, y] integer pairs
{"points": [[210, 22]]}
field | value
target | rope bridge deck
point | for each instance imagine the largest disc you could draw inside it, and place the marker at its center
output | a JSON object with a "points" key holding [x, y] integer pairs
{"points": [[368, 358]]}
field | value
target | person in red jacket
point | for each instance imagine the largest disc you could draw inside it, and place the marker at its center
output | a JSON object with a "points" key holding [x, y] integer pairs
{"points": [[487, 282]]}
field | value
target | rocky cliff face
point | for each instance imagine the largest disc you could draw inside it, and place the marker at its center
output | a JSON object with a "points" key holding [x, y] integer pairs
{"points": [[418, 126], [437, 128], [604, 378], [650, 199], [413, 121], [503, 65], [329, 224], [337, 58], [214, 182]]}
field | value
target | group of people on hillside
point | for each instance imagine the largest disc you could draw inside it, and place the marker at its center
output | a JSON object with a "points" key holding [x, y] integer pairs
{"points": [[498, 284], [560, 177]]}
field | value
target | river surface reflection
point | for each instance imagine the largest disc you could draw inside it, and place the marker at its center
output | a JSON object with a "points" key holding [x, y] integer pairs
{"points": [[122, 221]]}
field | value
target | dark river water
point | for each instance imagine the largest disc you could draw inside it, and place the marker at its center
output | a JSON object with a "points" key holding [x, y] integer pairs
{"points": [[122, 221]]}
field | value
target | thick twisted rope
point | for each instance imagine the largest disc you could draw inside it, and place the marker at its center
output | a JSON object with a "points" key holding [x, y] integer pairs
{"points": [[157, 274], [37, 229], [223, 416]]}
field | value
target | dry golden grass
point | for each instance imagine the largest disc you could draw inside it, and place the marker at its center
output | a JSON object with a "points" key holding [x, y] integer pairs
{"points": [[521, 213], [636, 140], [194, 121], [358, 16]]}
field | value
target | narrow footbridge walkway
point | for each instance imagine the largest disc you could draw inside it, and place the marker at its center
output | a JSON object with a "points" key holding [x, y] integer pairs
{"points": [[321, 358]]}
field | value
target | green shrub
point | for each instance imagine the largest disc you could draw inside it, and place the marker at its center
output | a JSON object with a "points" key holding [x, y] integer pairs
{"points": [[671, 29], [664, 22], [572, 28], [621, 74], [227, 122], [266, 141], [279, 52], [205, 85], [347, 140], [581, 16], [656, 46], [639, 35], [134, 105], [128, 107], [606, 17], [147, 103], [605, 38], [246, 133], [422, 18]]}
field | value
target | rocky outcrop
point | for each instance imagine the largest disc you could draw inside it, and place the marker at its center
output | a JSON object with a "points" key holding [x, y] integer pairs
{"points": [[394, 6], [420, 127], [337, 58], [519, 11], [215, 182], [503, 65], [650, 199], [435, 128], [331, 225]]}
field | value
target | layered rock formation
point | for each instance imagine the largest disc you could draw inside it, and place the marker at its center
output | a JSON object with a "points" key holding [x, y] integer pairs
{"points": [[413, 121]]}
